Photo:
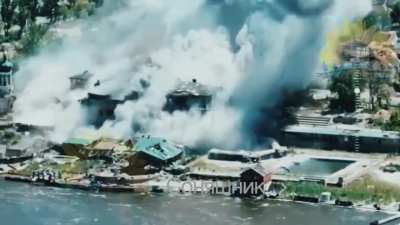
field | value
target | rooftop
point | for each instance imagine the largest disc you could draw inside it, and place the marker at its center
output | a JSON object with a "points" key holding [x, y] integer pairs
{"points": [[6, 67], [78, 141], [259, 169], [249, 154], [192, 88], [109, 144], [82, 76], [101, 97], [157, 147], [343, 130]]}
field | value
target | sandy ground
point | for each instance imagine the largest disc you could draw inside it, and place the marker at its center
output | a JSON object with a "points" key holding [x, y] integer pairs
{"points": [[392, 178]]}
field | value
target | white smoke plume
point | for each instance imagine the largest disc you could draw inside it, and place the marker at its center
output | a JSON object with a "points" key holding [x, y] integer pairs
{"points": [[251, 48]]}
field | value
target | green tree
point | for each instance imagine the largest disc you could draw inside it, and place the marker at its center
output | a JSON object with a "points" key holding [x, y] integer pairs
{"points": [[33, 38], [383, 95], [378, 19], [342, 85], [51, 9], [7, 12], [98, 3], [33, 7], [394, 122], [395, 13], [22, 15]]}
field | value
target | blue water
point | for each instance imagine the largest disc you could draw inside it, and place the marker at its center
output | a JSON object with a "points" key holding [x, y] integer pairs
{"points": [[318, 167], [23, 204]]}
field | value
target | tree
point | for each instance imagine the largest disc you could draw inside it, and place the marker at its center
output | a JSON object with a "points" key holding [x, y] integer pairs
{"points": [[379, 19], [21, 19], [33, 37], [22, 15], [30, 8], [384, 93], [51, 9], [98, 3], [394, 122], [7, 12], [395, 13], [342, 84]]}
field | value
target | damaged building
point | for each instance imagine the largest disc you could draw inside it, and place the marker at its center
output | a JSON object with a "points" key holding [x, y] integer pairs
{"points": [[137, 156], [190, 94], [80, 80], [152, 154], [99, 108], [103, 148]]}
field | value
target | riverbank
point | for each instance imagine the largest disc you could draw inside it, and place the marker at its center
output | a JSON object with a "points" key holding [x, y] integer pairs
{"points": [[158, 187], [40, 205]]}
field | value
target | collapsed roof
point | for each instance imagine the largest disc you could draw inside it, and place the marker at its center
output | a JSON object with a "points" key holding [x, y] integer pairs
{"points": [[158, 148]]}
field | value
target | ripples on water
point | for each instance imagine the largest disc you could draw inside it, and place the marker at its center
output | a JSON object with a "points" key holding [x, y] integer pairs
{"points": [[23, 204]]}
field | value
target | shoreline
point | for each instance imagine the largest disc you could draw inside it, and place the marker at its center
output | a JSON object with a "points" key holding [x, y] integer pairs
{"points": [[143, 188]]}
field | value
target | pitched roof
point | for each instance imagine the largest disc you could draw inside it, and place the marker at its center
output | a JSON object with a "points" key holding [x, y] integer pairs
{"points": [[84, 76], [258, 168], [192, 88], [78, 141], [157, 147]]}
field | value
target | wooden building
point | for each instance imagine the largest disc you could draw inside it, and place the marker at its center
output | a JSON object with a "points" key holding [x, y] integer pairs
{"points": [[256, 176]]}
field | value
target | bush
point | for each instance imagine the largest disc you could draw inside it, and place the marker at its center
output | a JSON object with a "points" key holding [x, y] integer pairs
{"points": [[33, 38], [367, 189]]}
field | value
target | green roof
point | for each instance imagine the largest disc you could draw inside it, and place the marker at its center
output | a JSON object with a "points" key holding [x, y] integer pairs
{"points": [[6, 68], [8, 64], [157, 147], [78, 141]]}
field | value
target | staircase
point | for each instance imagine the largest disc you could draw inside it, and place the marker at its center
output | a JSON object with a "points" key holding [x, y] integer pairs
{"points": [[312, 120], [356, 85]]}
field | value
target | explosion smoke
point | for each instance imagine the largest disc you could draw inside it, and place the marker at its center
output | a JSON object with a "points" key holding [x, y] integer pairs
{"points": [[251, 48]]}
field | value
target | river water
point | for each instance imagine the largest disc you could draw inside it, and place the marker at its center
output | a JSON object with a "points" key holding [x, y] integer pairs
{"points": [[24, 204]]}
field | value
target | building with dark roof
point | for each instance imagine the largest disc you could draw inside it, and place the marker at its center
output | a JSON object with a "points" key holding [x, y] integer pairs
{"points": [[99, 108], [190, 94], [344, 137]]}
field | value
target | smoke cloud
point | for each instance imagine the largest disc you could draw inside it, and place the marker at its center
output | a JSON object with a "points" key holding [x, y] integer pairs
{"points": [[251, 48]]}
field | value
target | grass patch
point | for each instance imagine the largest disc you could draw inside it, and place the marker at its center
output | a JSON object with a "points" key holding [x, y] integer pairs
{"points": [[366, 189]]}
